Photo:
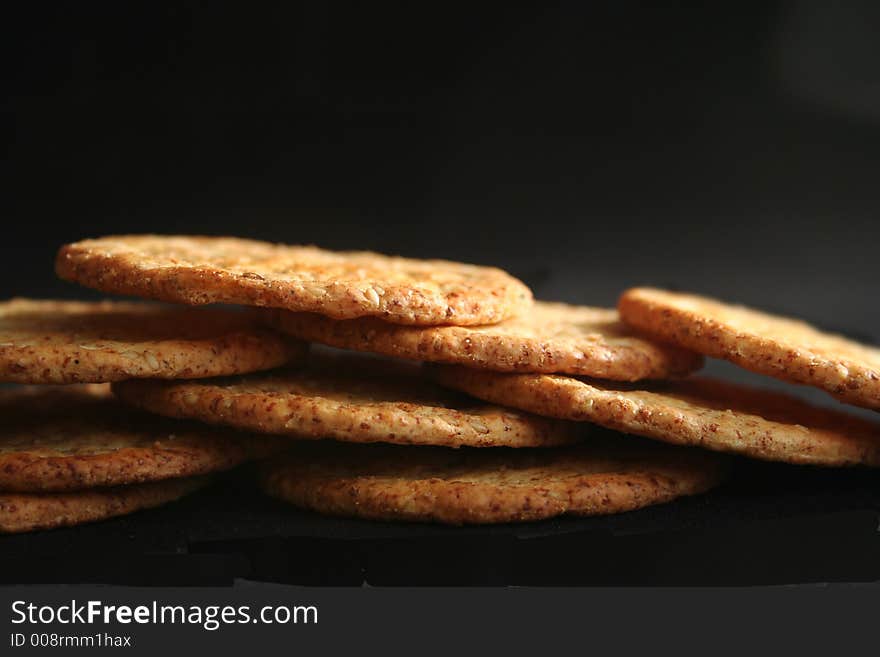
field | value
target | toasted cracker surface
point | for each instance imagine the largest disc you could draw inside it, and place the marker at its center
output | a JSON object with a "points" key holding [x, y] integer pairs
{"points": [[349, 398], [697, 412], [77, 437], [549, 337], [784, 348], [343, 285], [24, 512], [386, 482], [69, 342]]}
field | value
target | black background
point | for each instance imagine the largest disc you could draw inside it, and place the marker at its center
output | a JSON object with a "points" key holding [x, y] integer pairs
{"points": [[732, 149], [587, 147]]}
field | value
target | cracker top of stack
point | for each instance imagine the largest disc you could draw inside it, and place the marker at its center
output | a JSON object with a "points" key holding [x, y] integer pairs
{"points": [[342, 285]]}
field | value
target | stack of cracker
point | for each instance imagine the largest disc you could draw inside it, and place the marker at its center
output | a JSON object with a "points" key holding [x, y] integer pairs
{"points": [[449, 395], [69, 451]]}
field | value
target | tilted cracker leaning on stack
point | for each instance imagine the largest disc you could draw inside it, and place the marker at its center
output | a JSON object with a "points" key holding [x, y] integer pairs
{"points": [[549, 374]]}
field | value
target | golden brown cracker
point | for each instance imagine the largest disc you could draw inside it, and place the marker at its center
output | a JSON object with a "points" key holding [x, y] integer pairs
{"points": [[78, 437], [25, 512], [696, 412], [387, 482], [549, 337], [342, 285], [784, 348], [43, 341], [349, 398]]}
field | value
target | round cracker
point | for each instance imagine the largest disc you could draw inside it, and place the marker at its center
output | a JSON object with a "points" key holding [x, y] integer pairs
{"points": [[783, 348], [342, 285], [24, 512], [77, 437], [701, 412], [349, 398], [550, 337], [44, 341], [485, 486]]}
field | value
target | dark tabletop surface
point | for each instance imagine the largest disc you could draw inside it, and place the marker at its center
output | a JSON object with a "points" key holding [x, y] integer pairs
{"points": [[769, 524]]}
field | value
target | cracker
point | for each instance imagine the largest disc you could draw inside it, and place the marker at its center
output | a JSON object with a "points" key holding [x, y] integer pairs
{"points": [[25, 512], [700, 412], [784, 348], [550, 337], [77, 437], [342, 285], [349, 398], [486, 486], [69, 342]]}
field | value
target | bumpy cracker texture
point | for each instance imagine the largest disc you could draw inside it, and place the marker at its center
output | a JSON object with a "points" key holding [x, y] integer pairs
{"points": [[353, 398], [698, 412], [485, 486], [784, 348], [343, 285], [79, 437], [550, 337], [22, 512], [77, 342]]}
